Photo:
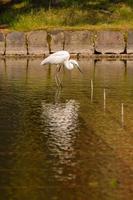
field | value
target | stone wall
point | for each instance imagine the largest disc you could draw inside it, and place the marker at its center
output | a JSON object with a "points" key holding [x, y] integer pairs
{"points": [[82, 43]]}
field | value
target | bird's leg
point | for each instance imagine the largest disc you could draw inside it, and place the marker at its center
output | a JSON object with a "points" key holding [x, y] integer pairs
{"points": [[58, 77], [58, 81], [59, 68]]}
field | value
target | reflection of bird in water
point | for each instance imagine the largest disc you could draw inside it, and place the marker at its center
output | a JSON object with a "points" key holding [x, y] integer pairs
{"points": [[59, 58], [61, 121]]}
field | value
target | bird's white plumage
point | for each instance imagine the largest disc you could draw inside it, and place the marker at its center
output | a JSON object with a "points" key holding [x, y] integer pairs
{"points": [[74, 62], [56, 58], [60, 57]]}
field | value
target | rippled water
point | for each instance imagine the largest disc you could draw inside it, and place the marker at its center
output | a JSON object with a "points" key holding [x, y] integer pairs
{"points": [[74, 143]]}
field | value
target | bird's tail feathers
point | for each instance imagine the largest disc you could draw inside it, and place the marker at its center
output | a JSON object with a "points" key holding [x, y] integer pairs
{"points": [[44, 62]]}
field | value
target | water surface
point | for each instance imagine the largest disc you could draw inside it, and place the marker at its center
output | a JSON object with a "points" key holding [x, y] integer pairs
{"points": [[74, 143]]}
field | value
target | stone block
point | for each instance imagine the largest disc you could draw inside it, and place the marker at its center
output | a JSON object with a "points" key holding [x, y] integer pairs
{"points": [[79, 42], [109, 42], [2, 43], [56, 40], [37, 42], [16, 43], [130, 42]]}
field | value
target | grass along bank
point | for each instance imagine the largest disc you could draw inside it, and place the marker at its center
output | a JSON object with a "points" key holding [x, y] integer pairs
{"points": [[23, 18]]}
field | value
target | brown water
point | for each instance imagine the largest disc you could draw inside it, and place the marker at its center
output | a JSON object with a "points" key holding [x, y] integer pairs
{"points": [[74, 143]]}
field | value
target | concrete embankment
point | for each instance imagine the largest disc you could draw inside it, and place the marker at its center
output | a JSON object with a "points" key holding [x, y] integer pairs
{"points": [[80, 43]]}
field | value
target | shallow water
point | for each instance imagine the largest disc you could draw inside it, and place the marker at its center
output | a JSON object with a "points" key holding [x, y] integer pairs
{"points": [[74, 143]]}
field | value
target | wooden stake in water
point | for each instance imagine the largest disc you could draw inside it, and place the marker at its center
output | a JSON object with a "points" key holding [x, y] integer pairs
{"points": [[104, 99], [122, 114], [92, 89]]}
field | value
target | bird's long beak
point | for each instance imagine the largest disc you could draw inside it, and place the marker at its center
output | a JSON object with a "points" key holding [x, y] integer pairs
{"points": [[79, 69]]}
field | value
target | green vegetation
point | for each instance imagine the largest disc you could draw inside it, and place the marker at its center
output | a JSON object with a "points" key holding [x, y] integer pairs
{"points": [[66, 14]]}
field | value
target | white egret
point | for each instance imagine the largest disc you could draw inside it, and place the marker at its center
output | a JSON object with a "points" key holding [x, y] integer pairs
{"points": [[61, 57]]}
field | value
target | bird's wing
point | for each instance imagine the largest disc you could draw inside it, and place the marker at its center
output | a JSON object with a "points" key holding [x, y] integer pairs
{"points": [[56, 58], [61, 53]]}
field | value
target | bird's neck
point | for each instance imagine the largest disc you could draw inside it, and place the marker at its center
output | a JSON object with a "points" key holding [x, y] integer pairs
{"points": [[68, 65]]}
